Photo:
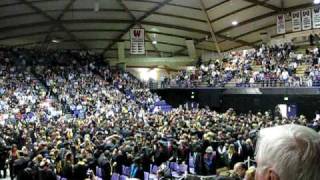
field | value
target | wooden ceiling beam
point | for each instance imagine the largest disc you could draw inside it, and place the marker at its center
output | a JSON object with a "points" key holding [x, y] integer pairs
{"points": [[216, 5], [145, 1], [93, 30], [115, 21], [210, 26], [264, 4], [110, 40], [105, 10], [235, 12]]}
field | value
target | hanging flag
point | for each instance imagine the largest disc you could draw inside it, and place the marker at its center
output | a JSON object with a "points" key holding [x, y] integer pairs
{"points": [[306, 19], [316, 17], [137, 41], [296, 21], [281, 24]]}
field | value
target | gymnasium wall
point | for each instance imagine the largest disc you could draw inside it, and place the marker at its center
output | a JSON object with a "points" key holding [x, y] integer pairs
{"points": [[246, 99]]}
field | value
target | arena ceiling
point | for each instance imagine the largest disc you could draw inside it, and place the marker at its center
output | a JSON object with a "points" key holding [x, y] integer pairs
{"points": [[28, 23]]}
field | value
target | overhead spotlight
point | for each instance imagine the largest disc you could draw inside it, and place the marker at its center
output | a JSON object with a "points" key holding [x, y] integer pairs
{"points": [[96, 6], [154, 39], [55, 41], [234, 23], [316, 1]]}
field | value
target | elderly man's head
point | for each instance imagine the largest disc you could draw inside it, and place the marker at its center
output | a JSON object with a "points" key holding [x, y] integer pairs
{"points": [[288, 152]]}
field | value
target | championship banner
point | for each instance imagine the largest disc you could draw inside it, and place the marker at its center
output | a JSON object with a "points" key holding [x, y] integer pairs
{"points": [[296, 21], [306, 19], [137, 41], [281, 24], [316, 17]]}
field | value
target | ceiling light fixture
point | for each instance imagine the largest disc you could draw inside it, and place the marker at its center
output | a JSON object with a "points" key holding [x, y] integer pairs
{"points": [[154, 39], [55, 41], [234, 23]]}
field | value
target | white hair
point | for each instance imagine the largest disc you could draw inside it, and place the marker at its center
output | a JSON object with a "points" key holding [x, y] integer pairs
{"points": [[291, 151]]}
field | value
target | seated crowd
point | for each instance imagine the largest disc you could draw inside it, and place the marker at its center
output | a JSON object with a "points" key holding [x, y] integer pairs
{"points": [[214, 75], [277, 67], [86, 121]]}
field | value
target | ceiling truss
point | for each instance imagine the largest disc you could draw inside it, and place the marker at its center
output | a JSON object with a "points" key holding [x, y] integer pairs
{"points": [[53, 21], [138, 21], [211, 28], [53, 27], [59, 24], [264, 4]]}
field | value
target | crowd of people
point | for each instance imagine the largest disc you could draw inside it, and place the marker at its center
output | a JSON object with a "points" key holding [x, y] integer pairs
{"points": [[213, 75], [82, 120], [277, 68], [278, 65]]}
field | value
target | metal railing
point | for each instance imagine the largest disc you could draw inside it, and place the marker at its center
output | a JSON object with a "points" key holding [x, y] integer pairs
{"points": [[260, 84]]}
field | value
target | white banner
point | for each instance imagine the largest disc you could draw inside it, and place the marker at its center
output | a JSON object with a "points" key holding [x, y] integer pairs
{"points": [[306, 19], [281, 24], [137, 41], [296, 21], [316, 17]]}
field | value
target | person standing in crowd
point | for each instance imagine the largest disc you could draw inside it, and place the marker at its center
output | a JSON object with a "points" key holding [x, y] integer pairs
{"points": [[3, 161], [20, 166], [136, 169], [80, 169], [231, 156], [45, 171], [13, 156], [67, 166], [199, 162], [161, 154], [209, 159], [105, 165], [248, 149]]}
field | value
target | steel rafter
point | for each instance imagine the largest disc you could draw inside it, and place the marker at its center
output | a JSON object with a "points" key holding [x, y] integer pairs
{"points": [[211, 28], [53, 21], [61, 15], [264, 4]]}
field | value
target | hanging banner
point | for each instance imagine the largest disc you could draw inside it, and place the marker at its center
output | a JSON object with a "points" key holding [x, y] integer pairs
{"points": [[137, 41], [316, 17], [281, 24], [306, 19], [296, 21]]}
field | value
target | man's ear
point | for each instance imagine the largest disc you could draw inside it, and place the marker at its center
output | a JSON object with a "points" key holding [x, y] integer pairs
{"points": [[271, 175]]}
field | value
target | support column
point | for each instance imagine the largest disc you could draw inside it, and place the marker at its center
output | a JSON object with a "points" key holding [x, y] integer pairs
{"points": [[121, 52], [191, 49]]}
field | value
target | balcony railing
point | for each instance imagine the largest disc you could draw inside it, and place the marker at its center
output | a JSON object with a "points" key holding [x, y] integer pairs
{"points": [[260, 84]]}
